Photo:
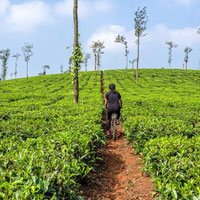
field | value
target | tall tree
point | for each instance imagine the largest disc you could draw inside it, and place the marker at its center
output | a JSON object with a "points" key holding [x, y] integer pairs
{"points": [[140, 20], [171, 45], [132, 62], [27, 51], [198, 31], [186, 58], [122, 40], [11, 75], [100, 52], [94, 49], [45, 67], [97, 51], [86, 58], [16, 56], [4, 56], [77, 55], [75, 69]]}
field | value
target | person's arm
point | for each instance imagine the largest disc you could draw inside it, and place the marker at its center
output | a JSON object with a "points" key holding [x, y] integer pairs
{"points": [[120, 103], [106, 102], [120, 100]]}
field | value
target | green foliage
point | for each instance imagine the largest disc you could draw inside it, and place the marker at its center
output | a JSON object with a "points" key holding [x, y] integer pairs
{"points": [[132, 62], [187, 51], [161, 119], [86, 58], [27, 51], [97, 47], [140, 20], [48, 143], [121, 39], [76, 60], [170, 46], [4, 56], [16, 56], [175, 162], [45, 67]]}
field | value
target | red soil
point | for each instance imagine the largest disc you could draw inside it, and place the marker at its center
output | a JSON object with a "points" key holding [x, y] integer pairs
{"points": [[119, 175]]}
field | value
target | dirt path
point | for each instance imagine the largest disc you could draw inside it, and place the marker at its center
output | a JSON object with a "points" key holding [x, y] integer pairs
{"points": [[118, 175]]}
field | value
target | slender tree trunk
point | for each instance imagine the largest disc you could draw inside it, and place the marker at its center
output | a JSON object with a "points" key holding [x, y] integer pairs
{"points": [[170, 57], [76, 83], [27, 70], [138, 57], [4, 72], [126, 65], [85, 67], [95, 65], [185, 65], [15, 68], [98, 62]]}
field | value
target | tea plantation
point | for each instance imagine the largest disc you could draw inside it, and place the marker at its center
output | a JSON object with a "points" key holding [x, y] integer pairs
{"points": [[161, 117], [47, 143]]}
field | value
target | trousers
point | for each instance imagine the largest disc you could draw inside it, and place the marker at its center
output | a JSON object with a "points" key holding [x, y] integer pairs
{"points": [[108, 117]]}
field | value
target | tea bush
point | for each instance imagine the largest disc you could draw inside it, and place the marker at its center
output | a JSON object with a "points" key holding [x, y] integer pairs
{"points": [[48, 143], [161, 117]]}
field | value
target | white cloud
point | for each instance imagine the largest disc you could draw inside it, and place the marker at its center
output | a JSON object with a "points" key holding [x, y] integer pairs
{"points": [[181, 2], [158, 35], [108, 35], [26, 17], [65, 8], [103, 5], [4, 5], [185, 2], [183, 37], [86, 7]]}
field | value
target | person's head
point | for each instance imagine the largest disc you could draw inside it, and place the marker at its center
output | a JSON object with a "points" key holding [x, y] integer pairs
{"points": [[112, 87]]}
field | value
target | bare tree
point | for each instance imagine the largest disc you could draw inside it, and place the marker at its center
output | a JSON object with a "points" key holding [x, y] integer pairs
{"points": [[45, 67], [94, 49], [121, 39], [198, 31], [4, 56], [186, 58], [86, 58], [97, 50], [170, 46], [27, 51], [132, 62], [140, 20], [99, 60], [16, 56]]}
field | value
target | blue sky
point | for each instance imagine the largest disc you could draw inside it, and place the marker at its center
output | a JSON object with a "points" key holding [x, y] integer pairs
{"points": [[48, 25]]}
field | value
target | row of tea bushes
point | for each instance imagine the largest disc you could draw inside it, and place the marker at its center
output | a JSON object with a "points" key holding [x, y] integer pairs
{"points": [[161, 118], [48, 143]]}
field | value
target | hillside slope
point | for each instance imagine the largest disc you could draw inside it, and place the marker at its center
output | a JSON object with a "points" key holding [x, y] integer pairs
{"points": [[47, 143], [161, 118]]}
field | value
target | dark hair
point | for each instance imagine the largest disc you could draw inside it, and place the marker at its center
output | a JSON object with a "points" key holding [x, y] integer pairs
{"points": [[112, 87]]}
